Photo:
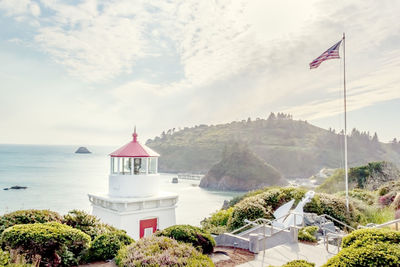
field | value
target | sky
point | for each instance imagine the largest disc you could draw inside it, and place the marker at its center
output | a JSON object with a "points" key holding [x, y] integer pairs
{"points": [[86, 72]]}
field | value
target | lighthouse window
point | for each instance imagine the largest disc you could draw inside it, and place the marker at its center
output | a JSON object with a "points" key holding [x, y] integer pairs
{"points": [[152, 165], [137, 165], [114, 165], [126, 165]]}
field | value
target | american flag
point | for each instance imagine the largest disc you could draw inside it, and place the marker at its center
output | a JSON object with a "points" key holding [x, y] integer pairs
{"points": [[331, 53]]}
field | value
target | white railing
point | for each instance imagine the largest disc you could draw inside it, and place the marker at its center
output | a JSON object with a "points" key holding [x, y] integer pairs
{"points": [[386, 224]]}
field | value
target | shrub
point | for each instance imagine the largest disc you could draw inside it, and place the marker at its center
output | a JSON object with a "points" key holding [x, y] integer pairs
{"points": [[28, 217], [250, 208], [299, 263], [4, 257], [369, 236], [52, 241], [196, 236], [308, 234], [379, 254], [217, 223], [106, 246], [87, 223], [161, 251], [366, 196]]}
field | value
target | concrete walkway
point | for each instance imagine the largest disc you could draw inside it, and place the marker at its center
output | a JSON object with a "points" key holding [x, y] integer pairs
{"points": [[282, 254]]}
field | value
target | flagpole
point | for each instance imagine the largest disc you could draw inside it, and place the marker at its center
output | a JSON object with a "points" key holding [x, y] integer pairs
{"points": [[345, 125]]}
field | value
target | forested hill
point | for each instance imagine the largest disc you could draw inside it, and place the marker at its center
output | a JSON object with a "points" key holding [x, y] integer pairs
{"points": [[296, 148]]}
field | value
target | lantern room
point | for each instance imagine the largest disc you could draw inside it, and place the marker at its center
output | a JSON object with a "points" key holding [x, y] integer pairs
{"points": [[133, 170]]}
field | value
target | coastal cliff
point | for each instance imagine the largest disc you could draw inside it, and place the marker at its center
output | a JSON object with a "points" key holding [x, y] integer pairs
{"points": [[241, 170]]}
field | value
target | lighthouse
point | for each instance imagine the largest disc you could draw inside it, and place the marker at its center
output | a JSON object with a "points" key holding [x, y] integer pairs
{"points": [[134, 201]]}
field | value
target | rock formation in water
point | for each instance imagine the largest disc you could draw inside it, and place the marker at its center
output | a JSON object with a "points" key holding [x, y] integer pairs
{"points": [[82, 150], [241, 170]]}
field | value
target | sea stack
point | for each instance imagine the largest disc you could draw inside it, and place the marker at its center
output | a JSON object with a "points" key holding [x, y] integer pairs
{"points": [[241, 170], [82, 150], [134, 201]]}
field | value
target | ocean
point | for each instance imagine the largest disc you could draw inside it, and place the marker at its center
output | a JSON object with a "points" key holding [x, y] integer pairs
{"points": [[59, 180]]}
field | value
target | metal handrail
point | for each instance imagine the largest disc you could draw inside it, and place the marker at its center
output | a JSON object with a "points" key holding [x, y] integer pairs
{"points": [[270, 222], [336, 220], [396, 222]]}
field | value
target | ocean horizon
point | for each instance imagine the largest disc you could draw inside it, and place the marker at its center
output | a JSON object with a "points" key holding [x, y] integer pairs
{"points": [[59, 179]]}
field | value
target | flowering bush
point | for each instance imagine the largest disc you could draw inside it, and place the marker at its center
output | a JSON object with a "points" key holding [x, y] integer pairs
{"points": [[27, 217], [196, 236], [4, 257], [161, 251]]}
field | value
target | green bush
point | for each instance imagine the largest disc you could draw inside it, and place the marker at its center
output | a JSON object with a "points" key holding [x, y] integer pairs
{"points": [[87, 223], [366, 196], [161, 251], [4, 257], [299, 263], [52, 241], [250, 208], [106, 246], [218, 222], [308, 234], [196, 236], [378, 254], [28, 217], [362, 237]]}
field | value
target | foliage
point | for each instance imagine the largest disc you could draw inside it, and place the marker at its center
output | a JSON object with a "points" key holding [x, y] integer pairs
{"points": [[87, 223], [250, 208], [304, 147], [161, 251], [380, 254], [261, 204], [243, 169], [106, 246], [362, 237], [196, 236], [218, 222], [299, 263], [366, 196], [369, 247], [334, 183], [50, 240], [375, 214], [308, 234], [4, 257], [28, 217]]}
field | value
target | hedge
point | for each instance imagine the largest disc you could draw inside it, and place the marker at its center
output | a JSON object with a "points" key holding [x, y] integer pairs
{"points": [[87, 223], [106, 246], [378, 254], [262, 203], [362, 237], [299, 263], [161, 251], [308, 234], [196, 236], [55, 243], [28, 217]]}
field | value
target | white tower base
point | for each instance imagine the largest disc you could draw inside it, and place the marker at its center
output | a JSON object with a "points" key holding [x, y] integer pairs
{"points": [[137, 216]]}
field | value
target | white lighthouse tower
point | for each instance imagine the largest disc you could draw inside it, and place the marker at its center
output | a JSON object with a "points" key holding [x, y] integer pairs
{"points": [[134, 201]]}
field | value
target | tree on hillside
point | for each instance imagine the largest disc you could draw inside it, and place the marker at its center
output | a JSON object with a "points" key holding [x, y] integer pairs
{"points": [[272, 116], [375, 138]]}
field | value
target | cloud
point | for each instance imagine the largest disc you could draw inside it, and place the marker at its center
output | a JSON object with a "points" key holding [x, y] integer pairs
{"points": [[193, 62]]}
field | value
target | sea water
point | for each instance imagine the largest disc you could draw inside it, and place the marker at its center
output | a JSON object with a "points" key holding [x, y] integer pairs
{"points": [[59, 180]]}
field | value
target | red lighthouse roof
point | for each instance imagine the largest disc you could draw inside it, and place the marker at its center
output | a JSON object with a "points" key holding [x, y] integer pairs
{"points": [[134, 149]]}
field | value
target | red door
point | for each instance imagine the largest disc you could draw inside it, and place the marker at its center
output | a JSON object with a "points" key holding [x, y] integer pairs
{"points": [[148, 226]]}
